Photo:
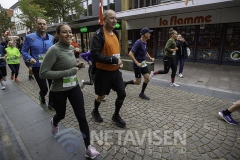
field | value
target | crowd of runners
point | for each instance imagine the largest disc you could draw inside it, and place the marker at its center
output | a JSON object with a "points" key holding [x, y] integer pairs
{"points": [[54, 63]]}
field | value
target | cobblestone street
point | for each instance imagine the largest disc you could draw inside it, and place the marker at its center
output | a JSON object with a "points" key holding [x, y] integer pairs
{"points": [[155, 129]]}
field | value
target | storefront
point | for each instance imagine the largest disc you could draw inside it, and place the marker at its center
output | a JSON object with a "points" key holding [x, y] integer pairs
{"points": [[213, 36]]}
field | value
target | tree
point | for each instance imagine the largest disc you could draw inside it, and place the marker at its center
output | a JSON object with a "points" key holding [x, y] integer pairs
{"points": [[30, 11], [61, 10], [5, 21]]}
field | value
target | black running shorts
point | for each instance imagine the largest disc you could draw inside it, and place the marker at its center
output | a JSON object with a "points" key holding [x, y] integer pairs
{"points": [[140, 71]]}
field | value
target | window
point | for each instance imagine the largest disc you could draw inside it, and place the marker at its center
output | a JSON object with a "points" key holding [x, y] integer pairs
{"points": [[142, 3], [148, 3], [209, 42], [112, 4], [135, 3], [89, 7], [105, 4], [231, 50]]}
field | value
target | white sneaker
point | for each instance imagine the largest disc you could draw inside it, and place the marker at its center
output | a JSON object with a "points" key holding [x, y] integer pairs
{"points": [[180, 75], [3, 88], [55, 130], [82, 84], [174, 85], [151, 74], [91, 152]]}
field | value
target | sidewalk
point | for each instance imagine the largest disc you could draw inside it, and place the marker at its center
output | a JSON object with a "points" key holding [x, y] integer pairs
{"points": [[27, 131], [191, 108]]}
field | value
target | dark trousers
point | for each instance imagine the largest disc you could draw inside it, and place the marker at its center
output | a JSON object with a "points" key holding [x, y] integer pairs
{"points": [[3, 72], [42, 83], [169, 63], [182, 61], [14, 68], [75, 97]]}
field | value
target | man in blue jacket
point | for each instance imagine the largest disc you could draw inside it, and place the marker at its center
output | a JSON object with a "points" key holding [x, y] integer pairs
{"points": [[37, 44]]}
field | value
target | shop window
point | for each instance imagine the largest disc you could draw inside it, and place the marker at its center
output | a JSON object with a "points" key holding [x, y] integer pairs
{"points": [[209, 42], [163, 36], [142, 3], [136, 4], [148, 3], [187, 32], [89, 7], [112, 4], [231, 51], [105, 4]]}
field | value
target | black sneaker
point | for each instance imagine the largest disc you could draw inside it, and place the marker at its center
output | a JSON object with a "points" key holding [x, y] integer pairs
{"points": [[42, 102], [118, 120], [143, 96], [97, 116]]}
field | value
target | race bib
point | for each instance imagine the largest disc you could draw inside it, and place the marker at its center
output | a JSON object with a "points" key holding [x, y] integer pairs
{"points": [[12, 58], [173, 53], [144, 64], [117, 55], [41, 57], [69, 81]]}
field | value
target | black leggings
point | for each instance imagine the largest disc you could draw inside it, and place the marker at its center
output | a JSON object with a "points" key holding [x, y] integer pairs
{"points": [[14, 68], [90, 76], [42, 85], [75, 97], [169, 63]]}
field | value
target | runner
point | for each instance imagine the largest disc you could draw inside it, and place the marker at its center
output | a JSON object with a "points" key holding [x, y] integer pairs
{"points": [[168, 59], [105, 50], [13, 61], [38, 43], [138, 55], [60, 66]]}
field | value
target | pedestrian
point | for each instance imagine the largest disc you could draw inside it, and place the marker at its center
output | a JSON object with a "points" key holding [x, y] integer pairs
{"points": [[3, 69], [105, 50], [226, 114], [28, 64], [13, 61], [88, 58], [38, 43], [59, 65], [169, 58], [76, 49], [181, 53], [5, 42], [138, 55]]}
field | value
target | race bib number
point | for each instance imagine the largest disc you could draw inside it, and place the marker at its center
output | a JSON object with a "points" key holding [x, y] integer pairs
{"points": [[144, 64], [69, 81], [12, 58], [173, 53], [41, 57], [117, 55]]}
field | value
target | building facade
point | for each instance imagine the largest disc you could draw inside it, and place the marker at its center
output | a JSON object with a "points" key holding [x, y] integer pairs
{"points": [[211, 28]]}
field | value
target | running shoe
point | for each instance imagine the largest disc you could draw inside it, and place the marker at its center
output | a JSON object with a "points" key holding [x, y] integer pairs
{"points": [[143, 96], [118, 120], [97, 116], [174, 85], [91, 152], [55, 130], [227, 118], [42, 102]]}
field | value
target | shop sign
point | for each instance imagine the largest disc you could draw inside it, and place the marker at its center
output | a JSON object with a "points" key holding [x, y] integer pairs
{"points": [[83, 29], [175, 20]]}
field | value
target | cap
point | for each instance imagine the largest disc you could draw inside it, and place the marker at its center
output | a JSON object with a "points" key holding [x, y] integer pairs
{"points": [[145, 30]]}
